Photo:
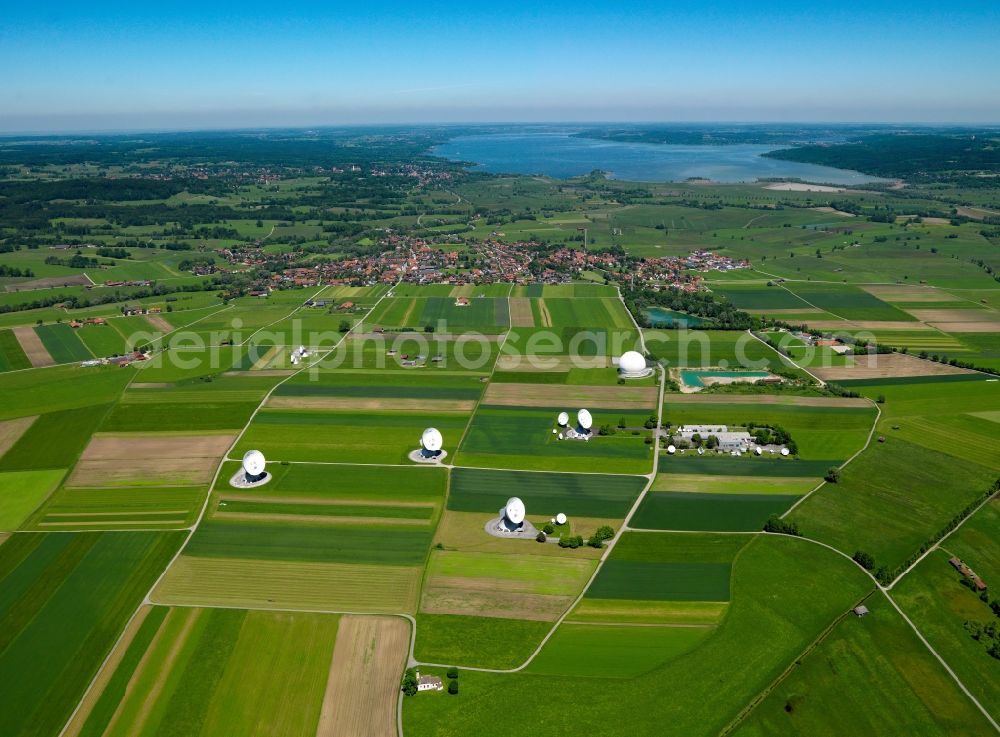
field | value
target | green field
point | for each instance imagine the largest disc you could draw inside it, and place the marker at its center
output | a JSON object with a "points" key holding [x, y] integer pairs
{"points": [[142, 589], [63, 344], [213, 672], [828, 434], [12, 357], [485, 314], [693, 511], [784, 593], [622, 651], [340, 544], [874, 659], [119, 508], [23, 492], [544, 494], [60, 388], [345, 437], [939, 605], [519, 437], [482, 642], [54, 440], [714, 348], [890, 500], [68, 595]]}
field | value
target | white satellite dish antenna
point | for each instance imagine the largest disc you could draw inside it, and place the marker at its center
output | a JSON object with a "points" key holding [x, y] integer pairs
{"points": [[784, 451], [632, 363], [514, 511], [563, 419], [431, 440], [585, 419], [253, 463], [560, 519], [671, 449], [758, 450]]}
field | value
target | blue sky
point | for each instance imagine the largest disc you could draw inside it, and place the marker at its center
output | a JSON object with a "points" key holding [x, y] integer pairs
{"points": [[106, 66]]}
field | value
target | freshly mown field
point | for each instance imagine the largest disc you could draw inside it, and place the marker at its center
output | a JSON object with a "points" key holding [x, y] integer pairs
{"points": [[877, 660], [522, 438], [67, 596], [544, 494], [785, 592], [214, 672], [363, 686], [276, 584], [506, 585]]}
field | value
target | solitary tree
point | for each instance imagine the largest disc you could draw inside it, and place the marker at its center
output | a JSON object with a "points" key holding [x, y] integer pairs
{"points": [[410, 682]]}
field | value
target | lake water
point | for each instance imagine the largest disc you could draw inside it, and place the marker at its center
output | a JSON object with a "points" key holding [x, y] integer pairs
{"points": [[694, 378], [661, 315], [559, 155]]}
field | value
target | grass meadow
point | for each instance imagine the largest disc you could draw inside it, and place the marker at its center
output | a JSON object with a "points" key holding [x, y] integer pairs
{"points": [[877, 659], [784, 593]]}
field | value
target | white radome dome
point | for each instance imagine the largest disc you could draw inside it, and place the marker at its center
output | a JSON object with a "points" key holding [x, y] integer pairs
{"points": [[671, 449], [431, 439], [632, 362], [585, 419], [560, 519], [784, 451], [563, 419], [514, 511], [253, 462]]}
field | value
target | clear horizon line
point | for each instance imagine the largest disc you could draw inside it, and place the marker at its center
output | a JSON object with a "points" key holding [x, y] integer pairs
{"points": [[37, 133]]}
